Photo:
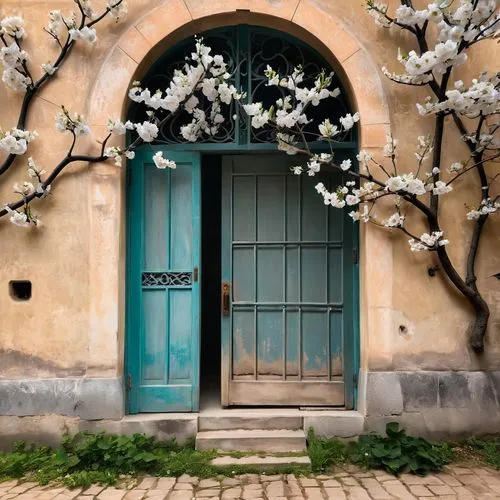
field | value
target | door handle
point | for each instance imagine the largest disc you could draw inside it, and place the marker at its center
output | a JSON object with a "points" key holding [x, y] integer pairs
{"points": [[225, 298]]}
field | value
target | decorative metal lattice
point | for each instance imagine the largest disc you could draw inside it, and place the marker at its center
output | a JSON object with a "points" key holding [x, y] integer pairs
{"points": [[247, 51], [163, 279]]}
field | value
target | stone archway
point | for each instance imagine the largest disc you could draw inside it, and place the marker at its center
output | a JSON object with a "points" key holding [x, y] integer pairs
{"points": [[135, 50]]}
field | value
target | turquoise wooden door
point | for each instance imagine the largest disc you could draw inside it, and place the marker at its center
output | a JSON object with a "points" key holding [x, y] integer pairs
{"points": [[287, 261], [163, 309]]}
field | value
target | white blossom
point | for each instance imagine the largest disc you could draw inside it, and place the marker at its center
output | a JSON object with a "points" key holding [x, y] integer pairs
{"points": [[313, 167], [456, 167], [76, 123], [352, 199], [48, 68], [115, 153], [15, 141], [161, 162], [346, 164], [428, 242], [12, 26], [390, 147], [441, 187], [117, 127], [395, 183], [414, 186], [377, 11], [18, 218], [15, 80], [395, 220], [147, 131], [86, 34], [12, 56], [487, 207], [483, 96], [24, 189], [42, 191], [349, 120], [327, 130], [272, 76], [55, 22]]}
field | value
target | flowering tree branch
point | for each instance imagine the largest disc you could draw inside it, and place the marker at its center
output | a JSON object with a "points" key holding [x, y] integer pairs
{"points": [[458, 28], [17, 75]]}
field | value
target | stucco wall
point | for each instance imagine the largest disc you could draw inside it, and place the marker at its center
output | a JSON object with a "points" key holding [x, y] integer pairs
{"points": [[73, 325]]}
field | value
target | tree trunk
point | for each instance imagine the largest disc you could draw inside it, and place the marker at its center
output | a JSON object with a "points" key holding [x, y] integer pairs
{"points": [[477, 330]]}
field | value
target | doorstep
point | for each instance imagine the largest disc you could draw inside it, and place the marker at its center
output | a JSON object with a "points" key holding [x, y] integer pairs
{"points": [[342, 424]]}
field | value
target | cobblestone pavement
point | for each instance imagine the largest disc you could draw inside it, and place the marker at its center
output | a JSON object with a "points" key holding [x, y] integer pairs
{"points": [[455, 483]]}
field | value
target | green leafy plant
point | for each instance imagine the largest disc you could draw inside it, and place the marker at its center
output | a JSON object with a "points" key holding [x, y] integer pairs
{"points": [[102, 458], [86, 459], [488, 449], [325, 453], [399, 452]]}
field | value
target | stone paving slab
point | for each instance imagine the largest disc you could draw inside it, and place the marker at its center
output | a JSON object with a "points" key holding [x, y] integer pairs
{"points": [[455, 483]]}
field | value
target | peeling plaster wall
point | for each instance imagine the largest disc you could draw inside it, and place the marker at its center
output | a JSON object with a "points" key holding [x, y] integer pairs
{"points": [[73, 325]]}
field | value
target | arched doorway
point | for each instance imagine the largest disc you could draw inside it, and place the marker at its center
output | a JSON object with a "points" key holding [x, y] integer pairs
{"points": [[236, 269]]}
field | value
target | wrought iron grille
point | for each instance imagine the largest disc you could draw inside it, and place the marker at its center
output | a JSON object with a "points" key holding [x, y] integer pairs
{"points": [[247, 51], [164, 279]]}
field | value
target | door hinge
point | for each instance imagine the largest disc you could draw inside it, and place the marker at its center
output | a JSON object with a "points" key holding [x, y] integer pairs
{"points": [[355, 380], [355, 256], [129, 383], [195, 274]]}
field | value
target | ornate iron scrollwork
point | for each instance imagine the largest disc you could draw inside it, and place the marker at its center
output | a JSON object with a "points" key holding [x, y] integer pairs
{"points": [[164, 279], [247, 50]]}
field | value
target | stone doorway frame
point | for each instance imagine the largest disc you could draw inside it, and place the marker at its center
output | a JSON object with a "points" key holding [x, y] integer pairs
{"points": [[136, 49]]}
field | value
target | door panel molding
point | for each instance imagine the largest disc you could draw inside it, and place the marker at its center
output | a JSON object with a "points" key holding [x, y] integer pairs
{"points": [[289, 336], [163, 297]]}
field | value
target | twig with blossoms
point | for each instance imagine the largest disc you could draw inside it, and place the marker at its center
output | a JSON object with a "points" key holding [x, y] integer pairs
{"points": [[17, 75], [202, 74]]}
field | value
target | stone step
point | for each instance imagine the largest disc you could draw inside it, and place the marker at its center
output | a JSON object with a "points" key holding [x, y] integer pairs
{"points": [[266, 462], [270, 441], [249, 420]]}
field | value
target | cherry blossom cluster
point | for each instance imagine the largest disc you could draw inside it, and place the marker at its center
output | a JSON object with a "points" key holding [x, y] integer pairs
{"points": [[79, 30], [76, 123], [15, 141], [26, 217], [457, 28], [201, 88], [487, 207], [290, 111], [288, 116], [13, 58], [481, 98], [427, 241]]}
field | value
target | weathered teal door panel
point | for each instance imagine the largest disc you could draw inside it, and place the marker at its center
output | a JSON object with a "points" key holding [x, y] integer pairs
{"points": [[288, 261], [163, 307]]}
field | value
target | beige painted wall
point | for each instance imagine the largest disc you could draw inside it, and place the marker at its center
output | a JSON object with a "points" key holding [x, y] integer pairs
{"points": [[73, 325]]}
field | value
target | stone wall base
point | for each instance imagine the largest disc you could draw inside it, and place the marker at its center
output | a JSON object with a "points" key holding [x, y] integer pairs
{"points": [[49, 429], [431, 403], [427, 403], [87, 398]]}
